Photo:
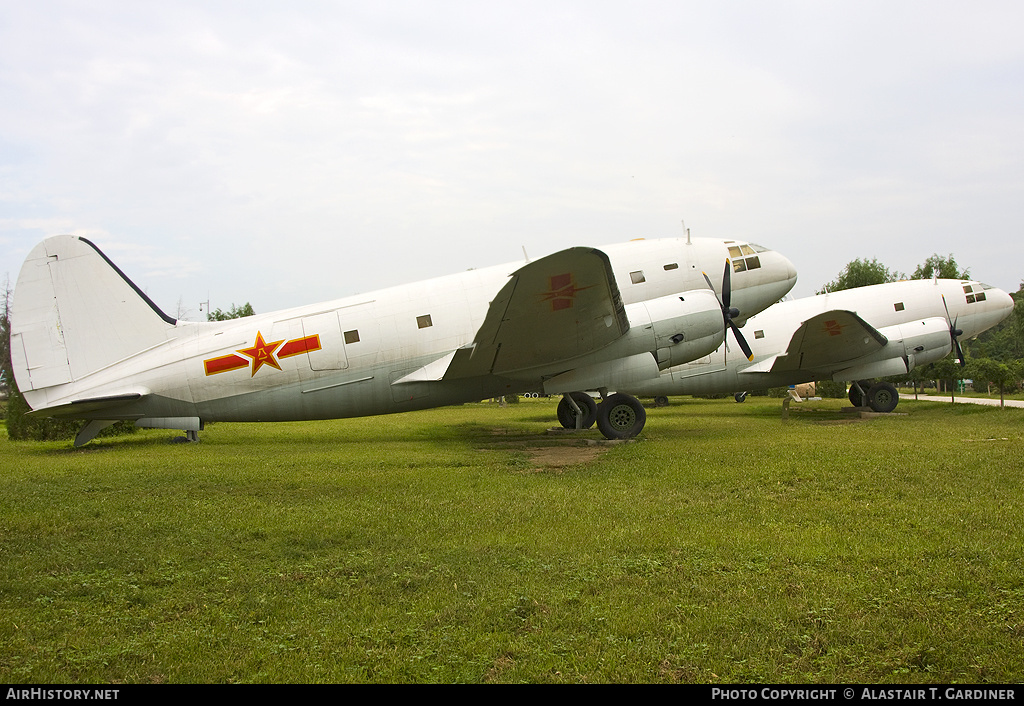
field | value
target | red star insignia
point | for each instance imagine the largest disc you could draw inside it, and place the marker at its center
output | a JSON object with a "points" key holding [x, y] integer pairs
{"points": [[834, 328], [563, 291], [262, 353]]}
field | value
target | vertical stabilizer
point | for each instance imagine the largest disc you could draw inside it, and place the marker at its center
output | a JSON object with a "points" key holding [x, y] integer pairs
{"points": [[74, 312]]}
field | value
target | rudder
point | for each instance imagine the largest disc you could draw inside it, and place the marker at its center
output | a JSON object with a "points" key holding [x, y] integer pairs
{"points": [[74, 312]]}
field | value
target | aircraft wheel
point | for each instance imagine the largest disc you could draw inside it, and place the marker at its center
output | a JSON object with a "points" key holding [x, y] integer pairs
{"points": [[661, 401], [740, 397], [883, 397], [567, 415], [857, 395], [621, 416]]}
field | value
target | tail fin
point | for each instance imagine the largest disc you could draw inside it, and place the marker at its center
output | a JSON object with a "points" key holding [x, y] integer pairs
{"points": [[74, 312]]}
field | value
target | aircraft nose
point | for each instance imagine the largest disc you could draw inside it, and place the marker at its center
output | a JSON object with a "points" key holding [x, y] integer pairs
{"points": [[1004, 301], [789, 270]]}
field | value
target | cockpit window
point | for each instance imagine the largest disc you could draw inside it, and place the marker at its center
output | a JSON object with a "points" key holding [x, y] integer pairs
{"points": [[975, 293], [744, 257]]}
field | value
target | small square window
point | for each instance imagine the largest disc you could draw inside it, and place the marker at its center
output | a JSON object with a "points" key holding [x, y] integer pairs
{"points": [[753, 262], [758, 334], [898, 306], [424, 321], [980, 297], [637, 277], [351, 337], [970, 298], [739, 265]]}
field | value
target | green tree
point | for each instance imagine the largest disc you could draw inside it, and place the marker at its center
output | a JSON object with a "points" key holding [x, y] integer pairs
{"points": [[862, 273], [947, 372], [235, 312], [1005, 376], [941, 267]]}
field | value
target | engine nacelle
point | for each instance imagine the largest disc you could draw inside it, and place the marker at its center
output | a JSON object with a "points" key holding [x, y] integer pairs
{"points": [[686, 326], [925, 341], [910, 345]]}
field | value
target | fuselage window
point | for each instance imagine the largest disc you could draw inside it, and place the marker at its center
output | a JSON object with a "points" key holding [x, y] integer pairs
{"points": [[352, 337], [424, 321], [637, 277], [758, 334], [899, 306], [672, 266]]}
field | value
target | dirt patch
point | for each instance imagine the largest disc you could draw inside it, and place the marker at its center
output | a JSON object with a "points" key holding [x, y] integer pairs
{"points": [[555, 451], [561, 456]]}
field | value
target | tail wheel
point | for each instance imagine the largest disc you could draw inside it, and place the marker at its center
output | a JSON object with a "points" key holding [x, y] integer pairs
{"points": [[621, 416], [567, 415]]}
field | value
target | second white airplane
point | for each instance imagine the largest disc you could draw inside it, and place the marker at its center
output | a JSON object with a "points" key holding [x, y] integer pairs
{"points": [[852, 335], [88, 344]]}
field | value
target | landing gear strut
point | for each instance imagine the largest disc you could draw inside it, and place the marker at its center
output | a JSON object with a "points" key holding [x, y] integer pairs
{"points": [[577, 410]]}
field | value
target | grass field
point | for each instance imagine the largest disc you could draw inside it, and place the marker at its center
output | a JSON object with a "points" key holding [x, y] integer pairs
{"points": [[465, 545]]}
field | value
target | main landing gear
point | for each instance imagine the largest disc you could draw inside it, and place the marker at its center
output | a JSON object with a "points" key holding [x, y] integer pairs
{"points": [[619, 416], [880, 397]]}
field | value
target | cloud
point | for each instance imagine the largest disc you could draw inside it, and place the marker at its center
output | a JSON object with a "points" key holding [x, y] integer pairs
{"points": [[288, 154]]}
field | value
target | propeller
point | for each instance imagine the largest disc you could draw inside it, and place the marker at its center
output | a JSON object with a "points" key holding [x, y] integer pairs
{"points": [[954, 334], [729, 312]]}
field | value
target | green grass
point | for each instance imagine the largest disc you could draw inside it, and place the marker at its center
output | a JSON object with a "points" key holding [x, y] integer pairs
{"points": [[724, 546]]}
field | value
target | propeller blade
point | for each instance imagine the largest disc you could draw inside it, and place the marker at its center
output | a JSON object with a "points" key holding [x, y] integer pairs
{"points": [[727, 286], [954, 334], [728, 312], [959, 353], [741, 340], [711, 286]]}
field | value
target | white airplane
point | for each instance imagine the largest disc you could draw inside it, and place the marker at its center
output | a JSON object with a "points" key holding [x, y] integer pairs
{"points": [[88, 344], [852, 335]]}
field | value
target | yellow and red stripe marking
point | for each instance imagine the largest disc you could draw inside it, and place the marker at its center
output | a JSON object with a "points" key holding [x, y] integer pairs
{"points": [[262, 353]]}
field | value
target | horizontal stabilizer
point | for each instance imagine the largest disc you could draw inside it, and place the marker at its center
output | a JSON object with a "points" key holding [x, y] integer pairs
{"points": [[87, 407]]}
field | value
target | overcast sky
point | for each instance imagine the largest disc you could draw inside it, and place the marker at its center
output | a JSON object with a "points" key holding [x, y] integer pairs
{"points": [[284, 153]]}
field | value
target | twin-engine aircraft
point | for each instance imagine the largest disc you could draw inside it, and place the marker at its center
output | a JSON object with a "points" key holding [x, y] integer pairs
{"points": [[853, 335], [88, 344]]}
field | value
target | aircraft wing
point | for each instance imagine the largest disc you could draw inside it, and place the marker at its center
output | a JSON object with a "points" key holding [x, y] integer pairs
{"points": [[552, 309], [826, 340]]}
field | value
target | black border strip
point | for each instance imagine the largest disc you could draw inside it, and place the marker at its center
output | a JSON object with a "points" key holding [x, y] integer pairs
{"points": [[152, 305]]}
